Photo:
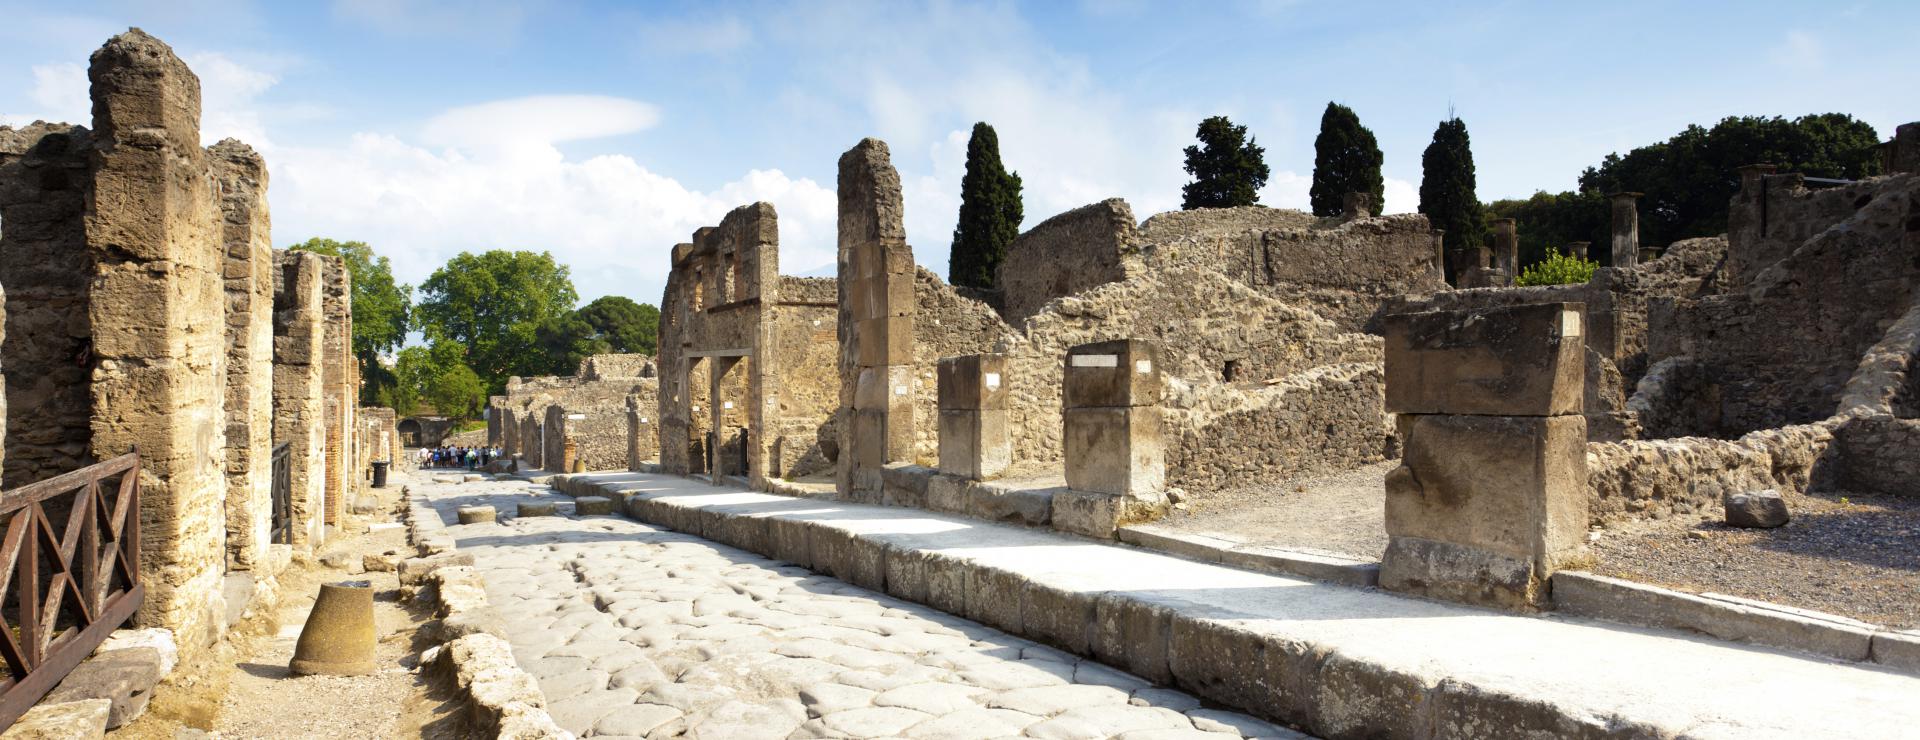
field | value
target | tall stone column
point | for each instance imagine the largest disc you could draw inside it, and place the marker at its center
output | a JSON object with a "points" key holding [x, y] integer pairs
{"points": [[876, 273], [973, 416], [1506, 245], [1490, 497], [1115, 460], [337, 356], [1626, 229], [159, 341], [299, 389], [241, 176]]}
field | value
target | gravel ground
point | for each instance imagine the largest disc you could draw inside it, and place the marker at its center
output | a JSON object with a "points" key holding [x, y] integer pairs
{"points": [[1856, 556], [1340, 513]]}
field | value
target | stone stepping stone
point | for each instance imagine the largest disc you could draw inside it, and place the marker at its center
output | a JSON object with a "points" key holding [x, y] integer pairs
{"points": [[479, 514], [537, 508], [592, 505]]}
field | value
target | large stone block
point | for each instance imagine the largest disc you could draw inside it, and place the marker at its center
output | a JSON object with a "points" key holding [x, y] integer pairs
{"points": [[883, 341], [973, 382], [1483, 508], [1510, 361], [1123, 372], [1133, 634], [993, 598], [1089, 513], [974, 444], [1114, 450], [1063, 618]]}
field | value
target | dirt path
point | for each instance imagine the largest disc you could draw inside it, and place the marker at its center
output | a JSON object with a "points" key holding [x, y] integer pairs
{"points": [[244, 690]]}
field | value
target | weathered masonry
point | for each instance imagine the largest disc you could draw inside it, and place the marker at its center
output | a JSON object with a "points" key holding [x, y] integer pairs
{"points": [[147, 312], [593, 408]]}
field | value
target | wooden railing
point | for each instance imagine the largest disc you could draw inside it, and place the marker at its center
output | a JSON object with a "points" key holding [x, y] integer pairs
{"points": [[69, 573]]}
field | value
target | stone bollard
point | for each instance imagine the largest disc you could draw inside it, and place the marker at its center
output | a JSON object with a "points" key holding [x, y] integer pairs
{"points": [[337, 639], [476, 514], [1116, 466], [1490, 497], [592, 505], [973, 416], [1626, 229], [536, 508]]}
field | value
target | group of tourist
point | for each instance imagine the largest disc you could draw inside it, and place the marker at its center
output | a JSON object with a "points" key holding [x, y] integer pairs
{"points": [[457, 457]]}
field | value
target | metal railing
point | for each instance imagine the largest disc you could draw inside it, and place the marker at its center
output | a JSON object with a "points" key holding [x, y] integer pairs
{"points": [[283, 494], [69, 584]]}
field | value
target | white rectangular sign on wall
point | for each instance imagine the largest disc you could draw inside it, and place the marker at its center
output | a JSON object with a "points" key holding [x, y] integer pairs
{"points": [[1096, 361]]}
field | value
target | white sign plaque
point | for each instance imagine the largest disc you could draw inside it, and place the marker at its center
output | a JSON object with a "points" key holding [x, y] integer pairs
{"points": [[993, 380], [1096, 361], [1143, 367]]}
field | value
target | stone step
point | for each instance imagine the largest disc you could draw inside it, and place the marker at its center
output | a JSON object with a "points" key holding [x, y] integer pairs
{"points": [[1335, 660]]}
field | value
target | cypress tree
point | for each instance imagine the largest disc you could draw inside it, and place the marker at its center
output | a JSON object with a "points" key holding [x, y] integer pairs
{"points": [[1346, 159], [990, 213], [1227, 168], [1447, 188]]}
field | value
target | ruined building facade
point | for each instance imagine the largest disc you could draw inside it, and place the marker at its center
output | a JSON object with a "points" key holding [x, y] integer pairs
{"points": [[149, 313]]}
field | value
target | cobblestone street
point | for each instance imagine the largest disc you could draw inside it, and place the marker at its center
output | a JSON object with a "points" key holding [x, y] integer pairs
{"points": [[636, 631]]}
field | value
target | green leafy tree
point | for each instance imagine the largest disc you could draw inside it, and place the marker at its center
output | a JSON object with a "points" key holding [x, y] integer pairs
{"points": [[1551, 221], [625, 326], [380, 310], [1447, 188], [437, 375], [1346, 159], [1558, 269], [493, 303], [990, 213], [565, 340], [1228, 169], [1690, 178]]}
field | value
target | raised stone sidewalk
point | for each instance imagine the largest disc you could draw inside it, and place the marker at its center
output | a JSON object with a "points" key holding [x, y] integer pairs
{"points": [[636, 631], [1336, 661]]}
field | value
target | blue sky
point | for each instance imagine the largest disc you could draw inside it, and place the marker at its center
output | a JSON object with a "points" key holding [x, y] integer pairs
{"points": [[606, 132]]}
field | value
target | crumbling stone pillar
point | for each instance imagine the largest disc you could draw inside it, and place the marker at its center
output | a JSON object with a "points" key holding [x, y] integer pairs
{"points": [[974, 443], [1578, 250], [299, 388], [342, 398], [876, 331], [1506, 245], [1440, 255], [158, 342], [47, 272], [241, 176], [1490, 497], [1355, 206], [1903, 153], [1115, 461], [1626, 229], [496, 408], [640, 433]]}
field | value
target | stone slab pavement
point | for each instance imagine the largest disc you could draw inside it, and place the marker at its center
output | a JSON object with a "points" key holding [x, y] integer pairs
{"points": [[1334, 660], [633, 630]]}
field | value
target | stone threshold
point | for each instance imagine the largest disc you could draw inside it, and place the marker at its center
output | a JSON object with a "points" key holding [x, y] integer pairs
{"points": [[1333, 660], [1736, 619]]}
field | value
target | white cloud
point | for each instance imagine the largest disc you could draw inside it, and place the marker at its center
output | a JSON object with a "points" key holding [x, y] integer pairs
{"points": [[1800, 52], [689, 36], [1401, 196], [489, 20], [228, 99], [488, 176], [59, 96]]}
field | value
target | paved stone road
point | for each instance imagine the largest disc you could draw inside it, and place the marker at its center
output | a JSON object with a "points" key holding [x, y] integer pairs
{"points": [[637, 631]]}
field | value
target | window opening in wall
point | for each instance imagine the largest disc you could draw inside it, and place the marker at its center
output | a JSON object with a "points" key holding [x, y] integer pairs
{"points": [[1231, 371]]}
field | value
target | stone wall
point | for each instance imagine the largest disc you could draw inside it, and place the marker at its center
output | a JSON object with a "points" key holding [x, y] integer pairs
{"points": [[1664, 477], [1066, 254], [248, 273], [158, 372], [46, 271], [1323, 420], [597, 393], [1777, 350]]}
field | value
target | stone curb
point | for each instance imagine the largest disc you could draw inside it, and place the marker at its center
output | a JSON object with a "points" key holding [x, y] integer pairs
{"points": [[1326, 567], [1732, 618], [503, 700], [1209, 652]]}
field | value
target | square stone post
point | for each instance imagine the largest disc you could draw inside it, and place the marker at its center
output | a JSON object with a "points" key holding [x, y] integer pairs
{"points": [[640, 433], [1116, 464], [1491, 496], [158, 310], [337, 349], [974, 443], [1626, 229], [249, 266], [1439, 266], [1506, 245], [876, 329], [1578, 250], [299, 389]]}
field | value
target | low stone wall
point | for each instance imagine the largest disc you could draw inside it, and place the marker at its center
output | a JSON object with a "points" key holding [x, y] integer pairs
{"points": [[1324, 420], [1875, 454], [1663, 477]]}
